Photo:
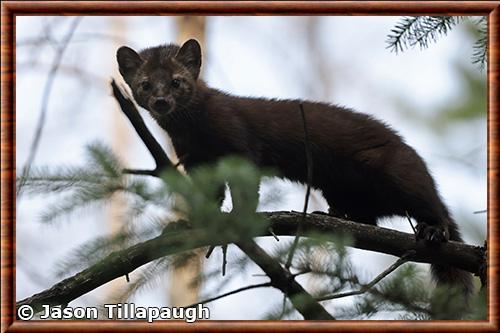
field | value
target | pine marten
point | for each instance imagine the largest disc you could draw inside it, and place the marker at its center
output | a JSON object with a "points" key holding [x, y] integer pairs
{"points": [[364, 169]]}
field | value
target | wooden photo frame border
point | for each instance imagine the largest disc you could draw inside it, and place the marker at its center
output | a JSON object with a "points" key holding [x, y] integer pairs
{"points": [[11, 9]]}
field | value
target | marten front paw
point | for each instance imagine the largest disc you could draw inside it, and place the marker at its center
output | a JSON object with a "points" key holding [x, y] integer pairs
{"points": [[432, 234]]}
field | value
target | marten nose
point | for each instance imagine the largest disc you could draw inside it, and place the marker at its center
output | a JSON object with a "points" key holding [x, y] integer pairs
{"points": [[161, 104]]}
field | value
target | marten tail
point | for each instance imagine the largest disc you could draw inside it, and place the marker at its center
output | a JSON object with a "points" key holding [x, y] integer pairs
{"points": [[448, 276]]}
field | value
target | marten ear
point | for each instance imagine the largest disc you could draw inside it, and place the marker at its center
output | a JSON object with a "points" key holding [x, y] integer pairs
{"points": [[190, 56], [128, 61]]}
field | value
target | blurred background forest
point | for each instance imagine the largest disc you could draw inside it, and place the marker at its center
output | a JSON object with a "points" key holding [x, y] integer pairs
{"points": [[435, 98]]}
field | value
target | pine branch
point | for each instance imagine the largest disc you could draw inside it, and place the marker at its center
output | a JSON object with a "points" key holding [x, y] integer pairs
{"points": [[419, 30], [430, 28], [411, 31], [367, 237], [398, 40], [480, 53]]}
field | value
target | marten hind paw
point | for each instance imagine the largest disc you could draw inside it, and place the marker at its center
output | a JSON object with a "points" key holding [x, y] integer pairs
{"points": [[432, 234]]}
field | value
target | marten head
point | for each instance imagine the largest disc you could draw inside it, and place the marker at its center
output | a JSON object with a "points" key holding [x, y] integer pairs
{"points": [[162, 78]]}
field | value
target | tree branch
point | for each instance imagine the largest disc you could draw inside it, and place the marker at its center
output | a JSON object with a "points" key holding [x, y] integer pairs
{"points": [[129, 109], [383, 240], [367, 237], [284, 281], [229, 293]]}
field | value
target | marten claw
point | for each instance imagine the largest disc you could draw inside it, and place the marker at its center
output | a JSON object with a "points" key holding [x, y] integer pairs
{"points": [[432, 234]]}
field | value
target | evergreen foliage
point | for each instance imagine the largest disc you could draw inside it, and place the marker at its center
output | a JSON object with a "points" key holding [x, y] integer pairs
{"points": [[420, 31]]}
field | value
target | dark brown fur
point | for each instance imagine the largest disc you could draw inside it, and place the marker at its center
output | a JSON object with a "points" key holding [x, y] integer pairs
{"points": [[364, 168]]}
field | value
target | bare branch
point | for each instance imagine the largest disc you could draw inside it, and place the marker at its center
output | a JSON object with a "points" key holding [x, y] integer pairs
{"points": [[47, 89], [129, 109], [372, 283], [236, 291], [78, 38]]}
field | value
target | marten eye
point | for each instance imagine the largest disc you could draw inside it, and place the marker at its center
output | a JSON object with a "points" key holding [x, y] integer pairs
{"points": [[146, 85], [175, 83]]}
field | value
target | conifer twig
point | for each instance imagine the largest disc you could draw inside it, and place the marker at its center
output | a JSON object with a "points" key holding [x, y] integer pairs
{"points": [[411, 31]]}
